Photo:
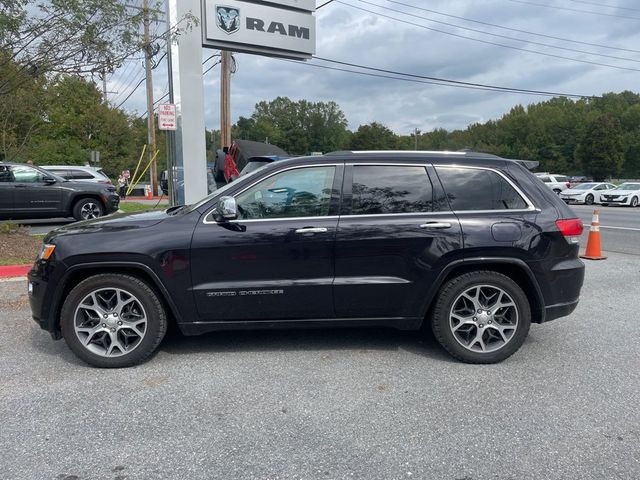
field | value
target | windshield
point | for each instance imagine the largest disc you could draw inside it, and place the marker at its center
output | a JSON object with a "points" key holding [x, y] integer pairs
{"points": [[584, 186], [628, 186]]}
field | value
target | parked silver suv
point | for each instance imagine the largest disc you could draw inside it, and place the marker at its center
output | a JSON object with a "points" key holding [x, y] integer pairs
{"points": [[79, 173]]}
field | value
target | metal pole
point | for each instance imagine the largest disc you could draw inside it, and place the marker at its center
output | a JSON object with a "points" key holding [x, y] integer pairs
{"points": [[151, 135]]}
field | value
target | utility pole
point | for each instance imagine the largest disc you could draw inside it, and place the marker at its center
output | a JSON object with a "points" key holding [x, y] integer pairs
{"points": [[104, 86], [151, 135], [416, 132], [225, 98]]}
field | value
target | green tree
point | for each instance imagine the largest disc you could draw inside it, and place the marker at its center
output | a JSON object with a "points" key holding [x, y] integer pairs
{"points": [[299, 127], [373, 136], [601, 150]]}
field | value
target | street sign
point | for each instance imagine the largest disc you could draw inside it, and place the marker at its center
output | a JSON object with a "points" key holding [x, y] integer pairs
{"points": [[167, 119], [262, 29]]}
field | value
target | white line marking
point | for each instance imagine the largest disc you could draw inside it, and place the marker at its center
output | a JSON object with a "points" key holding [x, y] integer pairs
{"points": [[621, 228]]}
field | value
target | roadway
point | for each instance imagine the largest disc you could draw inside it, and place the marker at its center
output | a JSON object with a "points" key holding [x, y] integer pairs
{"points": [[619, 227]]}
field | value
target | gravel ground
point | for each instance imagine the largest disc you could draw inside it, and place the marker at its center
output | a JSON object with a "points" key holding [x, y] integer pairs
{"points": [[365, 404]]}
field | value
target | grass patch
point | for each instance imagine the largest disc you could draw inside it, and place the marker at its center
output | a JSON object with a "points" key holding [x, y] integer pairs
{"points": [[130, 207]]}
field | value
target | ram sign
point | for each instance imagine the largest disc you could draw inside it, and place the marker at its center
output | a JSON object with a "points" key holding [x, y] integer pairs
{"points": [[287, 30]]}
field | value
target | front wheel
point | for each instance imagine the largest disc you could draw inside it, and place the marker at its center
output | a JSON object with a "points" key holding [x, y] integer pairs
{"points": [[87, 209], [113, 320], [481, 317], [589, 200], [634, 202]]}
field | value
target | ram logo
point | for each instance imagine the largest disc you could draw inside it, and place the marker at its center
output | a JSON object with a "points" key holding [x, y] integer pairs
{"points": [[228, 19]]}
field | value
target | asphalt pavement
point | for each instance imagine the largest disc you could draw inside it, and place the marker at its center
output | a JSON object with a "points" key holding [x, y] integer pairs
{"points": [[332, 404]]}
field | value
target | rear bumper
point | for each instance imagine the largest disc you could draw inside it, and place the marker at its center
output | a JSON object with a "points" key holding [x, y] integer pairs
{"points": [[559, 310], [561, 288]]}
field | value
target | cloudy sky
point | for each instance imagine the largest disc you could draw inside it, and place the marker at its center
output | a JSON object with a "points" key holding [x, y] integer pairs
{"points": [[592, 31]]}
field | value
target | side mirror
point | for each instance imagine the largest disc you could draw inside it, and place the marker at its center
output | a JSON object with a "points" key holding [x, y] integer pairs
{"points": [[49, 180], [227, 208]]}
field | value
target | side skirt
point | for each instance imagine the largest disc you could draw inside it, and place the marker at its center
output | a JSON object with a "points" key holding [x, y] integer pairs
{"points": [[400, 323]]}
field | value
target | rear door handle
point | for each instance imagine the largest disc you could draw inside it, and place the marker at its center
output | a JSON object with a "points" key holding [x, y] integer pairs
{"points": [[311, 230], [436, 225]]}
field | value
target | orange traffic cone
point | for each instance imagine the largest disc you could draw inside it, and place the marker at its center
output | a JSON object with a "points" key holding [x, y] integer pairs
{"points": [[593, 242]]}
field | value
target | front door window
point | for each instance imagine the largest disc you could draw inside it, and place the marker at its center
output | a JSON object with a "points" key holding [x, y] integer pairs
{"points": [[301, 192]]}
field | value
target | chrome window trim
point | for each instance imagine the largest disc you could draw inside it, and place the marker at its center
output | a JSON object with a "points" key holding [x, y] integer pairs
{"points": [[293, 167]]}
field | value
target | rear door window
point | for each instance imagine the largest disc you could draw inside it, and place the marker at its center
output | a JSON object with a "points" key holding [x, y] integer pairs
{"points": [[385, 189], [478, 189], [80, 175]]}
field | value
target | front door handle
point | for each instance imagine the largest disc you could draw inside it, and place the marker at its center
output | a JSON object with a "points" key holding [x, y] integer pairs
{"points": [[436, 225], [311, 230]]}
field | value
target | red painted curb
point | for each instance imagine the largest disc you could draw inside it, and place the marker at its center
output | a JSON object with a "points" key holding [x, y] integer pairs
{"points": [[10, 271]]}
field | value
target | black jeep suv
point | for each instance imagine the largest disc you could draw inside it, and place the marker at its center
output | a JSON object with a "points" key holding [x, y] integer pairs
{"points": [[31, 192], [472, 245]]}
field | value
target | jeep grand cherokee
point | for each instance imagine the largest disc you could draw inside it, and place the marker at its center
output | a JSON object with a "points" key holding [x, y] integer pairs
{"points": [[472, 245]]}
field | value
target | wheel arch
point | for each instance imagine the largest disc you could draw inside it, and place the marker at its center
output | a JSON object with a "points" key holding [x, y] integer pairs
{"points": [[81, 196], [515, 269], [80, 272]]}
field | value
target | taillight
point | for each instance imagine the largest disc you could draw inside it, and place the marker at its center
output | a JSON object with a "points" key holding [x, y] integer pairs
{"points": [[571, 228]]}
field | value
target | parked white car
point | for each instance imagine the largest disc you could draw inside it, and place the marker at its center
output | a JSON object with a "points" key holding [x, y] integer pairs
{"points": [[79, 173], [587, 193], [626, 194], [557, 183]]}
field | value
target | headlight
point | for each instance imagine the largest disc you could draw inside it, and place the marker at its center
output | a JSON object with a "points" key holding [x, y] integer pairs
{"points": [[46, 251]]}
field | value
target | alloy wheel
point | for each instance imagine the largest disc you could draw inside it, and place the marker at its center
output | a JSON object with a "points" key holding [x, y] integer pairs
{"points": [[110, 322], [90, 210], [483, 318]]}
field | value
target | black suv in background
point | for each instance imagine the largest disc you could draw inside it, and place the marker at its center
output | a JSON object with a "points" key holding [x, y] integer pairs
{"points": [[472, 245], [31, 192]]}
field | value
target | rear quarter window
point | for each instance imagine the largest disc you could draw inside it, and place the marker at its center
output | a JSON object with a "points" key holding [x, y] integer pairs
{"points": [[478, 189]]}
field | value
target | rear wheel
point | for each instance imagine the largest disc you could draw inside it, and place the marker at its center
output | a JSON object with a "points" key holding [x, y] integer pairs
{"points": [[589, 200], [113, 320], [481, 317], [87, 208]]}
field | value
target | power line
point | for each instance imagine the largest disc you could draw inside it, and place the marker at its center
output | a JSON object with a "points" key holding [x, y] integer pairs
{"points": [[482, 32], [602, 14], [132, 91], [552, 55], [480, 22], [607, 5], [449, 82], [324, 4]]}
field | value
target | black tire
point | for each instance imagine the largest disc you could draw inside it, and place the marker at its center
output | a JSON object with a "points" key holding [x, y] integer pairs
{"points": [[156, 325], [451, 291], [604, 204], [589, 200], [634, 202], [87, 208]]}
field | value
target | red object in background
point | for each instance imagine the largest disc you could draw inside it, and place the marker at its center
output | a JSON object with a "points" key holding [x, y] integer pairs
{"points": [[230, 166]]}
